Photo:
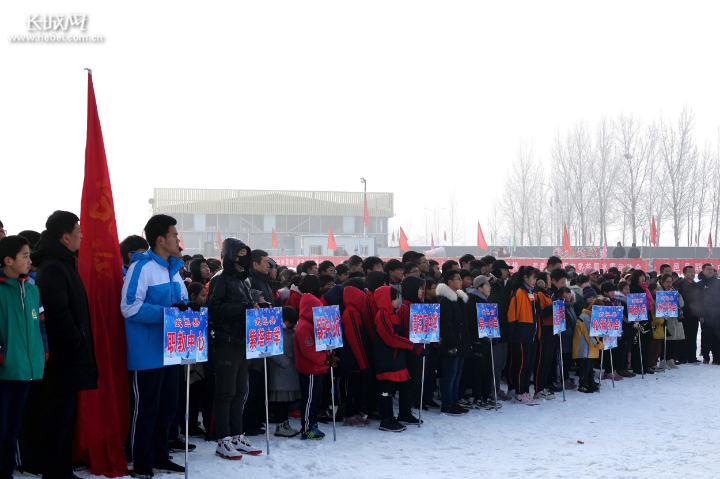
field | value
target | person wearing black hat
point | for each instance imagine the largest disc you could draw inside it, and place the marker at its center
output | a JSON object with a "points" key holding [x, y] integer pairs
{"points": [[500, 293], [413, 291]]}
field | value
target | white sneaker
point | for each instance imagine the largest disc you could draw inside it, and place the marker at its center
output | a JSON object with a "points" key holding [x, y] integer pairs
{"points": [[672, 365], [544, 394], [284, 430], [226, 450], [243, 444], [526, 399]]}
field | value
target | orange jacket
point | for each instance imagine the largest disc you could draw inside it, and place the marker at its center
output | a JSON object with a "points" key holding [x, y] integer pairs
{"points": [[523, 316]]}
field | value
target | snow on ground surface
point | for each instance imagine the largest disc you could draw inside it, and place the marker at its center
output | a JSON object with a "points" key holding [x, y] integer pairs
{"points": [[663, 426]]}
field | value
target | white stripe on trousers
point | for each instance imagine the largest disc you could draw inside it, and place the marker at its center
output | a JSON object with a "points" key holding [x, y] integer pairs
{"points": [[135, 415], [309, 402]]}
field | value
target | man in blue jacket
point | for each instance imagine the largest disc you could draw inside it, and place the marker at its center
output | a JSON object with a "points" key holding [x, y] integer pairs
{"points": [[151, 284]]}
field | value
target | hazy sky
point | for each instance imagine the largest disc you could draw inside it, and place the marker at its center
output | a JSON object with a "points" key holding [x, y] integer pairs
{"points": [[417, 97]]}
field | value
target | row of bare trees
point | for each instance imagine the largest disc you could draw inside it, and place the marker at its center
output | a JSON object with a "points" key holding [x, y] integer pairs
{"points": [[611, 178]]}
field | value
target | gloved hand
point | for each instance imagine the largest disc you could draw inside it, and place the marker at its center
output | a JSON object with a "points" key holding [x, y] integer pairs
{"points": [[417, 351], [453, 352], [332, 361], [181, 306], [664, 322], [194, 306], [47, 356]]}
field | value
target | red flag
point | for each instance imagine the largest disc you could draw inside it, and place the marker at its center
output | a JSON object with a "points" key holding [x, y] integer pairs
{"points": [[274, 239], [366, 215], [432, 242], [590, 238], [393, 238], [566, 240], [219, 240], [696, 239], [710, 242], [182, 244], [403, 241], [104, 413], [481, 239], [604, 255], [444, 236], [331, 241], [653, 233]]}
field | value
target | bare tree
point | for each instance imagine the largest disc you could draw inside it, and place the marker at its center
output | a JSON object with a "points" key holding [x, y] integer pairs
{"points": [[678, 155], [701, 191], [525, 176], [604, 178], [455, 226]]}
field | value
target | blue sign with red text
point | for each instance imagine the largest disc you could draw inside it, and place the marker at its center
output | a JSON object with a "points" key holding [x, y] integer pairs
{"points": [[185, 336], [263, 332]]}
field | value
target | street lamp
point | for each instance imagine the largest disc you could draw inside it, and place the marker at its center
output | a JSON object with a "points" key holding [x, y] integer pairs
{"points": [[364, 182]]}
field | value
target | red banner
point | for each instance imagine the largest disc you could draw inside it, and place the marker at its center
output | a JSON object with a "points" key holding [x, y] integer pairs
{"points": [[678, 264]]}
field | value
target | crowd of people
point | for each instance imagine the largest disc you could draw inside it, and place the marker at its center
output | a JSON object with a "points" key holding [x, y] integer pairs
{"points": [[45, 334]]}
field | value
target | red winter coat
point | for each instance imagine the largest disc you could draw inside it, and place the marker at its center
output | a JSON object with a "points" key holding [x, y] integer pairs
{"points": [[389, 340], [307, 360], [294, 300], [353, 331], [368, 316]]}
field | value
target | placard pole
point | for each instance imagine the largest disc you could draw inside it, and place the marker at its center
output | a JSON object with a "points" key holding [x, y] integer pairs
{"points": [[642, 367], [267, 414], [492, 361], [602, 355], [187, 416], [562, 367], [612, 368], [332, 396], [665, 347], [422, 388]]}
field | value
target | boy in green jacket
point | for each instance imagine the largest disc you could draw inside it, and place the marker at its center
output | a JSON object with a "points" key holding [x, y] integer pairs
{"points": [[23, 347]]}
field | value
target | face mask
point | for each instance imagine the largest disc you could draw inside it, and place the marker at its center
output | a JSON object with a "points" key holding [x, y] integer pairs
{"points": [[243, 261]]}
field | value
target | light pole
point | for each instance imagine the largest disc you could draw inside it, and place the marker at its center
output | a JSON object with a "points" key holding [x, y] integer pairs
{"points": [[364, 182]]}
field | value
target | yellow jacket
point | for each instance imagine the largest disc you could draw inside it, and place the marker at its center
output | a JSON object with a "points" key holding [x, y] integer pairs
{"points": [[583, 346]]}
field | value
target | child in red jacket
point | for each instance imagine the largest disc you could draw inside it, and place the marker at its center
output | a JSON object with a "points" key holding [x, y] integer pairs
{"points": [[390, 354], [312, 366]]}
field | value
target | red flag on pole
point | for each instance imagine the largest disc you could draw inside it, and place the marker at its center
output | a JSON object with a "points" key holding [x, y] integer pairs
{"points": [[331, 241], [432, 242], [393, 237], [566, 240], [653, 233], [274, 239], [103, 413], [590, 237], [710, 242], [219, 240], [366, 215], [403, 241], [481, 239], [604, 255], [182, 244], [444, 236]]}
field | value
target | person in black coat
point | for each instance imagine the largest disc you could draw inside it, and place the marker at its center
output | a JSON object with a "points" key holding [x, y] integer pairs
{"points": [[259, 277], [71, 366], [455, 343], [634, 252], [692, 310], [619, 251], [709, 286]]}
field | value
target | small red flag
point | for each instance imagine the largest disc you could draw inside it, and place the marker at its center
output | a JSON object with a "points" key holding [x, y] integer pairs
{"points": [[653, 233], [182, 244], [566, 240], [274, 239], [403, 241], [103, 414], [331, 240], [710, 243], [432, 242], [481, 239], [444, 236], [219, 240], [366, 215], [393, 237]]}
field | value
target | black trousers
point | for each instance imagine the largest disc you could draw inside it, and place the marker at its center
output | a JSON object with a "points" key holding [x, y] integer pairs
{"points": [[482, 384], [431, 365], [311, 388], [353, 393], [709, 341], [619, 357], [153, 399], [231, 391], [691, 326], [546, 355], [58, 414], [521, 365], [386, 391], [584, 375], [31, 458], [12, 401], [280, 411]]}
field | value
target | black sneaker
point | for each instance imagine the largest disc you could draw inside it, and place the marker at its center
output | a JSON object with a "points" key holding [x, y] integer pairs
{"points": [[375, 416], [555, 388], [391, 425], [325, 416], [168, 466], [461, 409], [178, 445], [409, 419], [254, 431], [141, 475], [584, 389], [432, 404], [450, 411]]}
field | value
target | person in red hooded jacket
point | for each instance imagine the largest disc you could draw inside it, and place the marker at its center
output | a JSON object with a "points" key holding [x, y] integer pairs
{"points": [[413, 291], [390, 360], [311, 366]]}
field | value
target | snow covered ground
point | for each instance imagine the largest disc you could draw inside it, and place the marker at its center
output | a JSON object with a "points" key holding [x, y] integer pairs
{"points": [[663, 426]]}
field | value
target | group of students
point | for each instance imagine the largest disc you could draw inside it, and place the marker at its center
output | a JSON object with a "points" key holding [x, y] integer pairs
{"points": [[376, 364]]}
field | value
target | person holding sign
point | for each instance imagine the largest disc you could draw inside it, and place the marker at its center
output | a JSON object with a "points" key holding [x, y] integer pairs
{"points": [[523, 325], [675, 330], [482, 384], [413, 292], [586, 348], [152, 283], [284, 382], [390, 362], [311, 366]]}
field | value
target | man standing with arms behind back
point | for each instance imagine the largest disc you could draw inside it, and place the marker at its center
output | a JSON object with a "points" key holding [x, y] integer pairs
{"points": [[691, 295], [71, 366], [710, 315]]}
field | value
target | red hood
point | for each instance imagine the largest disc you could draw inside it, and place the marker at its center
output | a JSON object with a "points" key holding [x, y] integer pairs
{"points": [[354, 298], [382, 299], [307, 303]]}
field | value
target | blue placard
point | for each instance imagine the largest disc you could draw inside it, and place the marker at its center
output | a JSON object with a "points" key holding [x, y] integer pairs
{"points": [[185, 336], [558, 316], [637, 307], [606, 321], [609, 342], [666, 304], [487, 319], [263, 332], [328, 329], [424, 323]]}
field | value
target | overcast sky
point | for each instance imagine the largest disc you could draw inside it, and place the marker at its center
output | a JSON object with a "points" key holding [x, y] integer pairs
{"points": [[417, 97]]}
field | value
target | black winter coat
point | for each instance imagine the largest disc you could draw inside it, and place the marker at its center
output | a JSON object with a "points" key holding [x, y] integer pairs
{"points": [[229, 296], [501, 294], [259, 282], [453, 321], [692, 297], [67, 318]]}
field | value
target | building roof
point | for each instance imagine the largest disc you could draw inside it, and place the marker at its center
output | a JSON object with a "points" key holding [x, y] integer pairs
{"points": [[271, 202]]}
